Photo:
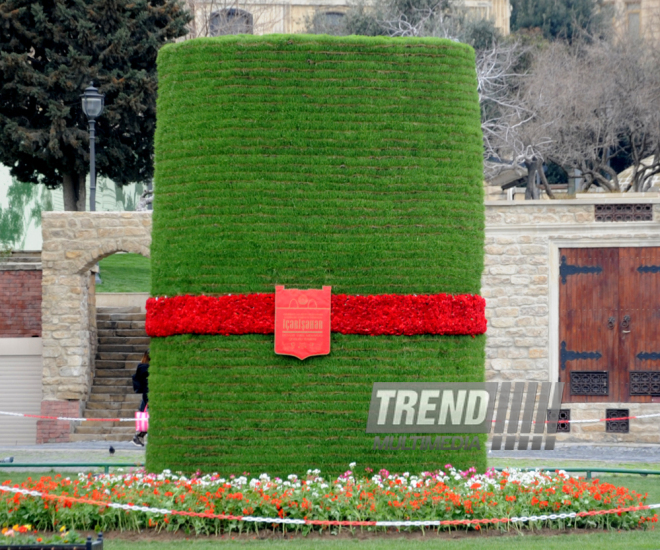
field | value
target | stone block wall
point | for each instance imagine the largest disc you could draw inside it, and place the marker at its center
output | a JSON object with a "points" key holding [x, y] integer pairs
{"points": [[520, 285], [73, 243]]}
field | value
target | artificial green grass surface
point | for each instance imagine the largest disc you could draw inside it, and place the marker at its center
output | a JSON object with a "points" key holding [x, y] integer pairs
{"points": [[239, 407], [307, 161], [124, 273]]}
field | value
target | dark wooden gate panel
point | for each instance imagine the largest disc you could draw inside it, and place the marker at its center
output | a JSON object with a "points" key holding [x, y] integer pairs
{"points": [[609, 324], [639, 355], [588, 300]]}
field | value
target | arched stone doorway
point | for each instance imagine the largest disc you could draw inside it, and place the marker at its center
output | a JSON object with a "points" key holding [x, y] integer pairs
{"points": [[74, 242]]}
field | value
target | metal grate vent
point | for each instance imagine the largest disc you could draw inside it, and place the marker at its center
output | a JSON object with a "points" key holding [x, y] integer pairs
{"points": [[645, 382], [589, 383], [617, 426], [624, 212]]}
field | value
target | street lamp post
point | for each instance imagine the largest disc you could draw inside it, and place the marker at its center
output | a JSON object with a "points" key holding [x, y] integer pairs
{"points": [[92, 106]]}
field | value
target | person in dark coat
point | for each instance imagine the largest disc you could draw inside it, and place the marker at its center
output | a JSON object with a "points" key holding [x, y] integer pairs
{"points": [[141, 385]]}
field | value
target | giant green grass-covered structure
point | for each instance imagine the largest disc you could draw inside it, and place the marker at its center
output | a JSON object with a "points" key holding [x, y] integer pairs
{"points": [[307, 161]]}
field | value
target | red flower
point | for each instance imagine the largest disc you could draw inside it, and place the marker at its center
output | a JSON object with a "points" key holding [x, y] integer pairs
{"points": [[381, 314]]}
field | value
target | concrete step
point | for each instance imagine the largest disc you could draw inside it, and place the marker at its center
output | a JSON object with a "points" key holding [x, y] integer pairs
{"points": [[115, 310], [121, 333], [110, 413], [105, 424], [112, 409], [108, 398], [119, 356], [124, 341], [101, 430], [111, 390], [118, 348], [115, 365], [121, 317], [114, 373], [104, 437], [124, 382], [119, 325]]}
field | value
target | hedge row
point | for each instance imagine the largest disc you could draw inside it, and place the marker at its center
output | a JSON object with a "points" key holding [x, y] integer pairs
{"points": [[309, 161]]}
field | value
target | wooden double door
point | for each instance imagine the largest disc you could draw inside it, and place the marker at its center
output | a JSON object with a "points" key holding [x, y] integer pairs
{"points": [[609, 324]]}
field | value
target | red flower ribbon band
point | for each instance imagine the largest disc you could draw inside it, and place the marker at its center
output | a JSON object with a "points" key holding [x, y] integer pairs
{"points": [[374, 315]]}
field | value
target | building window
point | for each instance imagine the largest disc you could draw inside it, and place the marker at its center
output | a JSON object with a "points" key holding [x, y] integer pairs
{"points": [[634, 15], [231, 21], [333, 19]]}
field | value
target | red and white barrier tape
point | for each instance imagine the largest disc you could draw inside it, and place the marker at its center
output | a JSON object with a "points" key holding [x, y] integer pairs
{"points": [[290, 521], [587, 421], [70, 419], [604, 419]]}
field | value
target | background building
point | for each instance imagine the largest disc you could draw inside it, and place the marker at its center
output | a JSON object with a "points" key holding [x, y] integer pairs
{"points": [[214, 18], [637, 18]]}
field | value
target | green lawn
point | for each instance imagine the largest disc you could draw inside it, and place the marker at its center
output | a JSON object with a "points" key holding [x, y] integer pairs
{"points": [[525, 541], [125, 273]]}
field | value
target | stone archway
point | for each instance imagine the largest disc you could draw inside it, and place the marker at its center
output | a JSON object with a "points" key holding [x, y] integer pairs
{"points": [[74, 242]]}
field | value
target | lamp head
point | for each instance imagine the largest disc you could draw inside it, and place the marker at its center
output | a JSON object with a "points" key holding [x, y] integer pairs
{"points": [[92, 102]]}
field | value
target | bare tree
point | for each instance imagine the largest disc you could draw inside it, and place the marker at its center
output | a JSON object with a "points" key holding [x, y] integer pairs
{"points": [[579, 106], [441, 18], [636, 95], [515, 133], [602, 99], [574, 96]]}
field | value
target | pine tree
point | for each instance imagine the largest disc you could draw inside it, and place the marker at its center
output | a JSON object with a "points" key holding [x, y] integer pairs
{"points": [[50, 50]]}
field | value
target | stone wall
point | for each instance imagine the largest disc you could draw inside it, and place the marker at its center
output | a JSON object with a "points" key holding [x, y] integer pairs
{"points": [[520, 283], [521, 287], [74, 242]]}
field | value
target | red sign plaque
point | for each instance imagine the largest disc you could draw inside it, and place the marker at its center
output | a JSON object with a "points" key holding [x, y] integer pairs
{"points": [[302, 322]]}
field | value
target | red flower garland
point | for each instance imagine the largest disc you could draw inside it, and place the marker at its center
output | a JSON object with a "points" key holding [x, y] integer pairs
{"points": [[373, 315]]}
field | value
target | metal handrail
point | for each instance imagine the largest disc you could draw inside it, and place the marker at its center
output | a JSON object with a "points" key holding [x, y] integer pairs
{"points": [[589, 470]]}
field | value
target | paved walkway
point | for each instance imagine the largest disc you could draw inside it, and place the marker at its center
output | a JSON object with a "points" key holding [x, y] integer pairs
{"points": [[79, 453], [126, 452], [588, 452]]}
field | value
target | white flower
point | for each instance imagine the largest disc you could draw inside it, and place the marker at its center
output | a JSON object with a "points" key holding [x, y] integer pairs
{"points": [[352, 465]]}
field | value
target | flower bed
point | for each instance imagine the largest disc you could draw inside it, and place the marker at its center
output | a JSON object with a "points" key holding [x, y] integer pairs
{"points": [[447, 495], [25, 536]]}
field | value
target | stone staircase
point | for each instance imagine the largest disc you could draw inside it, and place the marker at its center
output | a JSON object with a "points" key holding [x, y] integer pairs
{"points": [[122, 340]]}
